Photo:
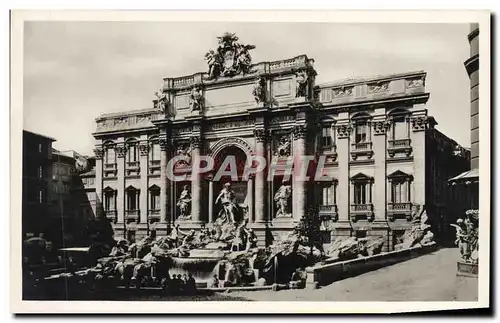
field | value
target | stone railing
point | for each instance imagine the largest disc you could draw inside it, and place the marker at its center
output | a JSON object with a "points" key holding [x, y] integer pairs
{"points": [[110, 166], [361, 149], [154, 216], [111, 215], [399, 145], [132, 215], [328, 212], [362, 212], [401, 208], [374, 87]]}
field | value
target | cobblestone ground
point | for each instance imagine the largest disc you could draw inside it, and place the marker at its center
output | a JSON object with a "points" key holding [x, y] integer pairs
{"points": [[431, 277]]}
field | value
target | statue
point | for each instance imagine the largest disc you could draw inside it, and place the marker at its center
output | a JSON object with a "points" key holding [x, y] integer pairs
{"points": [[259, 90], [184, 150], [183, 203], [283, 149], [162, 101], [196, 99], [228, 200], [282, 198], [251, 239], [302, 83], [214, 61], [230, 58], [467, 236]]}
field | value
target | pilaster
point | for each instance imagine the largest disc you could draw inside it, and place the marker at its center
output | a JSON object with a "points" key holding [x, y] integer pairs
{"points": [[299, 188], [99, 211], [144, 189], [380, 181], [343, 130], [196, 185], [120, 151], [261, 137]]}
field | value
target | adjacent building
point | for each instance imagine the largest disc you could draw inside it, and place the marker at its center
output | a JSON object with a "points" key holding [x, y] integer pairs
{"points": [[37, 174], [466, 184], [385, 159]]}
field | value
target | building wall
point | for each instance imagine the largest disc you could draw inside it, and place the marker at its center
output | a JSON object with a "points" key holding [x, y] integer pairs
{"points": [[392, 158], [37, 172], [472, 67]]}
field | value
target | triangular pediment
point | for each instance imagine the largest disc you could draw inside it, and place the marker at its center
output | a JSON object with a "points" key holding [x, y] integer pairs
{"points": [[398, 174]]}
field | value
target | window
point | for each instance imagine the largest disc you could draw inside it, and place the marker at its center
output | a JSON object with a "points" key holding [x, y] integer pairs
{"points": [[399, 192], [132, 198], [326, 137], [360, 132], [132, 153], [400, 187], [40, 147], [40, 196], [154, 153], [154, 199], [40, 171], [399, 128], [328, 195], [109, 202], [361, 189], [110, 155], [360, 193], [360, 234]]}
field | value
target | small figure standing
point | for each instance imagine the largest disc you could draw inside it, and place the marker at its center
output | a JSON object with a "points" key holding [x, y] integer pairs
{"points": [[162, 101], [302, 85], [259, 90], [214, 283], [281, 198], [227, 198], [196, 99], [184, 202]]}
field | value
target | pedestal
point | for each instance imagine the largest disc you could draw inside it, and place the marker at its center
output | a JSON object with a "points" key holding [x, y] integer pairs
{"points": [[467, 269]]}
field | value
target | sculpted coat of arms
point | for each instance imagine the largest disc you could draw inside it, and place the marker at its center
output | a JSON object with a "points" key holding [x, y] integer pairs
{"points": [[230, 58]]}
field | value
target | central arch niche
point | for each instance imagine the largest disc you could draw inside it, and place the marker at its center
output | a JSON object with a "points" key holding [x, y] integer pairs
{"points": [[239, 186]]}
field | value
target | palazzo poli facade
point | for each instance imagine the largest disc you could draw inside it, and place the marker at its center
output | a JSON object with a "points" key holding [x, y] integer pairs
{"points": [[386, 160]]}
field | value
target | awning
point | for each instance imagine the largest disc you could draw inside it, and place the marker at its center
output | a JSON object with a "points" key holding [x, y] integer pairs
{"points": [[468, 177]]}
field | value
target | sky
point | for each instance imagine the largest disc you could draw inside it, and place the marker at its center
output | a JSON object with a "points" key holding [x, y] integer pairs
{"points": [[76, 71]]}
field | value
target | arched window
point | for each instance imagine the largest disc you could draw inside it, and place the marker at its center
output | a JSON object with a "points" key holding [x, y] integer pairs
{"points": [[361, 129], [400, 125], [109, 153], [154, 151], [132, 151]]}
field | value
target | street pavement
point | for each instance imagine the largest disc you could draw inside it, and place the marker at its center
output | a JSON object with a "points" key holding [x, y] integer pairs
{"points": [[430, 277]]}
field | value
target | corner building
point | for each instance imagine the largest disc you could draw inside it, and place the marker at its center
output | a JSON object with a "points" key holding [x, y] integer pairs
{"points": [[382, 151]]}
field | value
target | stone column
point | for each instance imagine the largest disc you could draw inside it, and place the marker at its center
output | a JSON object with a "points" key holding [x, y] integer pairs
{"points": [[164, 194], [379, 188], [120, 161], [210, 201], [250, 198], [99, 203], [144, 193], [196, 190], [260, 178], [299, 188], [343, 133]]}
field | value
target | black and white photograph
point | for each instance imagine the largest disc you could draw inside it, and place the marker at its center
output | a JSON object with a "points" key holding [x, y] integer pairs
{"points": [[174, 160]]}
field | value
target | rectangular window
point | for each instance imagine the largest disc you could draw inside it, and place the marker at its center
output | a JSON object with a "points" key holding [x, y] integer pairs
{"points": [[132, 200], [360, 193], [155, 152], [132, 153], [154, 203], [40, 171], [40, 148], [40, 196], [399, 192], [328, 195], [109, 202], [361, 131], [110, 156], [360, 234], [400, 130], [326, 137]]}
